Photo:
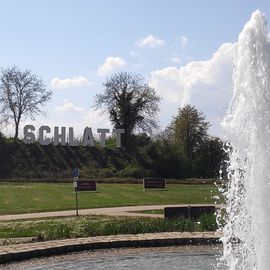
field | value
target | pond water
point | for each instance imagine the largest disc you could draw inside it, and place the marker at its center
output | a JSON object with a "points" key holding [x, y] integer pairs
{"points": [[180, 258]]}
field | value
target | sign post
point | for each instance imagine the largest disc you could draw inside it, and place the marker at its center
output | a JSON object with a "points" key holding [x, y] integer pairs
{"points": [[81, 185], [85, 185], [75, 174], [77, 210]]}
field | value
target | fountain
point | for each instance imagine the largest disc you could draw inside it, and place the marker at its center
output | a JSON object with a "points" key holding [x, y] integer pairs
{"points": [[246, 233]]}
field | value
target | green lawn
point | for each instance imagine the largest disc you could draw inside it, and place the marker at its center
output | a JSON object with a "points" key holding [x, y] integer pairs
{"points": [[38, 197]]}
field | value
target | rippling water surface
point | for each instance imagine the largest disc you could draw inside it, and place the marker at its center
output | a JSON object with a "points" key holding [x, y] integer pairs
{"points": [[143, 261], [159, 259]]}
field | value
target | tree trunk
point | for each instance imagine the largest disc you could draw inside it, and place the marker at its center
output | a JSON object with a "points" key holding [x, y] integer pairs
{"points": [[16, 132]]}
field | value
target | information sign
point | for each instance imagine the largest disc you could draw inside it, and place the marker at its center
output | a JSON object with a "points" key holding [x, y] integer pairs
{"points": [[154, 183]]}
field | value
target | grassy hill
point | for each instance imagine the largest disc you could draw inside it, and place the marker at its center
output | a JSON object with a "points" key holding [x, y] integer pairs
{"points": [[145, 158], [19, 160]]}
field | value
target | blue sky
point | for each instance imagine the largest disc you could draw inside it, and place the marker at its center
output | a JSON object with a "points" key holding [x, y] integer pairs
{"points": [[67, 44]]}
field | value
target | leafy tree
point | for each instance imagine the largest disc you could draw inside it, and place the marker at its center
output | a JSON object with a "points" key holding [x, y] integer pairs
{"points": [[5, 157], [188, 130], [130, 103], [171, 163], [210, 158], [22, 94]]}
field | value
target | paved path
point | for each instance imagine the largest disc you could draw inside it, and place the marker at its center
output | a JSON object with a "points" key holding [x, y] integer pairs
{"points": [[11, 253], [112, 211]]}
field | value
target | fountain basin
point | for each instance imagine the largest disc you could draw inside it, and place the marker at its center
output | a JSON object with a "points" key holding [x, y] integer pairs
{"points": [[33, 250], [174, 257]]}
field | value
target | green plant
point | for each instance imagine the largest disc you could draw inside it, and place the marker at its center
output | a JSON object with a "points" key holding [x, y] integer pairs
{"points": [[133, 170], [207, 222], [60, 231], [70, 227]]}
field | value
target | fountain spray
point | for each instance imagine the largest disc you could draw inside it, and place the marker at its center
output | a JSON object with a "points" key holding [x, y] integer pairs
{"points": [[246, 237]]}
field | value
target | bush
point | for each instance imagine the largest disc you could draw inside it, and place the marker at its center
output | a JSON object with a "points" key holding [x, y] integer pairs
{"points": [[107, 172], [5, 157], [60, 228], [61, 231], [91, 171], [207, 222], [133, 170]]}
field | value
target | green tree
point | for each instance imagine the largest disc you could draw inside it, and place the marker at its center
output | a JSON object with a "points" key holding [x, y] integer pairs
{"points": [[171, 163], [5, 157], [210, 158], [22, 94], [130, 103], [188, 130]]}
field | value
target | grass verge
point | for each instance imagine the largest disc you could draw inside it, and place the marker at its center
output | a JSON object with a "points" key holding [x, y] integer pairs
{"points": [[84, 226]]}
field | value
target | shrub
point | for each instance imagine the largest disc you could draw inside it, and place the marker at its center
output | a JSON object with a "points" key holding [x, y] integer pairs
{"points": [[107, 172], [60, 228], [207, 222], [60, 231], [133, 170]]}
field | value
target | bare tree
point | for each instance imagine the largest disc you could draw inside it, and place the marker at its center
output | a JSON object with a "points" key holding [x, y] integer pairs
{"points": [[22, 94]]}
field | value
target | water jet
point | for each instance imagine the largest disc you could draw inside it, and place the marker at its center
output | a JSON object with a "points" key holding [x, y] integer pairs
{"points": [[247, 126]]}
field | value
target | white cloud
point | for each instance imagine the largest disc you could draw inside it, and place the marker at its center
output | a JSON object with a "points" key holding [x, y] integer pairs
{"points": [[150, 41], [111, 63], [205, 84], [138, 65], [68, 107], [96, 119], [70, 82], [175, 60], [183, 40], [134, 54]]}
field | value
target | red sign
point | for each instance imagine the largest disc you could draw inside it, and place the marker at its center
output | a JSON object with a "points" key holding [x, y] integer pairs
{"points": [[86, 185], [158, 183]]}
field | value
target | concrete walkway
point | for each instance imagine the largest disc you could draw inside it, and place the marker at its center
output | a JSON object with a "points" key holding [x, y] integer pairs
{"points": [[112, 211], [12, 253]]}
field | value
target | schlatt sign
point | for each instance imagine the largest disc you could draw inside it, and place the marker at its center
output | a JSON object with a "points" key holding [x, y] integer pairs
{"points": [[61, 136]]}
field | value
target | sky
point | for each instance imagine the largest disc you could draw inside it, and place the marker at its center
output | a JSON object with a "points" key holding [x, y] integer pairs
{"points": [[184, 49]]}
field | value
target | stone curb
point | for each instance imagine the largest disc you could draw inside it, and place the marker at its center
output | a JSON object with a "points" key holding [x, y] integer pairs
{"points": [[34, 250]]}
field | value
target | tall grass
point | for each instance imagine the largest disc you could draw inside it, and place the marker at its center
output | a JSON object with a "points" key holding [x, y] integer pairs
{"points": [[72, 227]]}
